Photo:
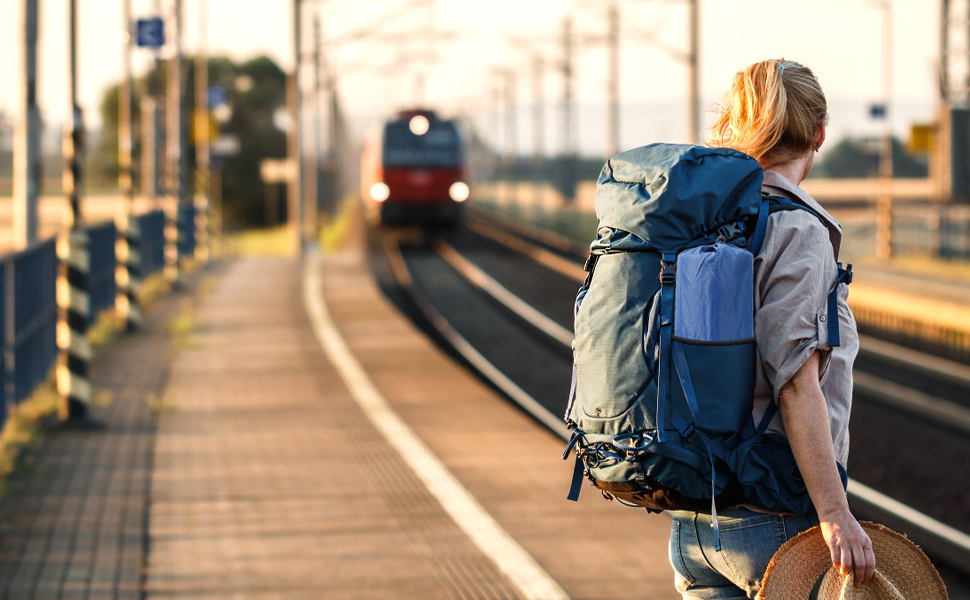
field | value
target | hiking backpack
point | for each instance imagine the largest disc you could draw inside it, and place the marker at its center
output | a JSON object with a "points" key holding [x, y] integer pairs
{"points": [[660, 405]]}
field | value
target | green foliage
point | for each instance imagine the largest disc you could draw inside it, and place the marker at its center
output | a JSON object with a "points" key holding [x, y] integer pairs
{"points": [[254, 105], [858, 158], [257, 91]]}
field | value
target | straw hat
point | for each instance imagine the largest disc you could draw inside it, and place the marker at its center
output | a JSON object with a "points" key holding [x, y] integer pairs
{"points": [[802, 569]]}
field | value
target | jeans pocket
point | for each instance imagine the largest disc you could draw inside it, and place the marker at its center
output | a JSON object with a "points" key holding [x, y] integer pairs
{"points": [[683, 577], [748, 548]]}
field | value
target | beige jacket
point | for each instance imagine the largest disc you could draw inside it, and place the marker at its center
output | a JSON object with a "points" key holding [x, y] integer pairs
{"points": [[794, 273]]}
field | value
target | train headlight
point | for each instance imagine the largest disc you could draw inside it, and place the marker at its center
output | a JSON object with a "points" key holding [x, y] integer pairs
{"points": [[458, 191], [419, 125], [379, 192]]}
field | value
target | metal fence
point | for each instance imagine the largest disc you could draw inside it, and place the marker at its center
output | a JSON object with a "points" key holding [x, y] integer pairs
{"points": [[28, 304], [151, 242], [930, 230], [936, 230], [185, 223], [28, 296], [102, 286]]}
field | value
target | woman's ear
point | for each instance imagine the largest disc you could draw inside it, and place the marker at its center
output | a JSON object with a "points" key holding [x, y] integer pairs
{"points": [[819, 136]]}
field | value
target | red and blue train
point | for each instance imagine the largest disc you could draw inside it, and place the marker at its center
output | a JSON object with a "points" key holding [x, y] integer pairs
{"points": [[413, 170]]}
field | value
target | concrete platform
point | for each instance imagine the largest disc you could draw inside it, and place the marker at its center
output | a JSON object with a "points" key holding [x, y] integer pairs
{"points": [[272, 480]]}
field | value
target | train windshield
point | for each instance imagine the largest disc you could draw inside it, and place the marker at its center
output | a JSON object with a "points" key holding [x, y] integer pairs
{"points": [[440, 146]]}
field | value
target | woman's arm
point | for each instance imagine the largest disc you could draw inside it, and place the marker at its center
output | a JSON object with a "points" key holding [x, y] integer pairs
{"points": [[806, 420]]}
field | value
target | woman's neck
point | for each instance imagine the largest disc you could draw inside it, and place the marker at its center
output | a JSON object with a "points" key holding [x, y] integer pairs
{"points": [[796, 170]]}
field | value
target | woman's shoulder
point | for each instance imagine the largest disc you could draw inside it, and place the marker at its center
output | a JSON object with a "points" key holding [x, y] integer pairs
{"points": [[816, 216]]}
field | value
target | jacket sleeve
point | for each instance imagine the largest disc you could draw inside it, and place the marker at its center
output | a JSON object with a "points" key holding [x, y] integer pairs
{"points": [[795, 272]]}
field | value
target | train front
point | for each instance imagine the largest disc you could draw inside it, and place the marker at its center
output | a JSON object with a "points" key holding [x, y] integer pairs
{"points": [[421, 172]]}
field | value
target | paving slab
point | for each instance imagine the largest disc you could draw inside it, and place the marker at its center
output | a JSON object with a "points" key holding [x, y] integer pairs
{"points": [[73, 521]]}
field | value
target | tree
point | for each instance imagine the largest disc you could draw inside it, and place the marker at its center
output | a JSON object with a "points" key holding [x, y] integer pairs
{"points": [[257, 91], [858, 158]]}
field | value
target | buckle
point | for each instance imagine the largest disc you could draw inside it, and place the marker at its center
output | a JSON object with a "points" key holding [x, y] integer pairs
{"points": [[726, 233], [668, 272], [845, 274], [690, 435]]}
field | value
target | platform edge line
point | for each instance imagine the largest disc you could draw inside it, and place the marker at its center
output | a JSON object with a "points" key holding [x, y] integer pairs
{"points": [[528, 577]]}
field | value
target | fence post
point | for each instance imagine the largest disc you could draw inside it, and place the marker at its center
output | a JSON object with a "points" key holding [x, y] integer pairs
{"points": [[74, 304], [130, 278], [10, 338]]}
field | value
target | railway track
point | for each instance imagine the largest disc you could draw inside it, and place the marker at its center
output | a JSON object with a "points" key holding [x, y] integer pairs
{"points": [[501, 300]]}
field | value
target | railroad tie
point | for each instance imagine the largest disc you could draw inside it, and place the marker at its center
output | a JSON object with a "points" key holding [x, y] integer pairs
{"points": [[74, 304]]}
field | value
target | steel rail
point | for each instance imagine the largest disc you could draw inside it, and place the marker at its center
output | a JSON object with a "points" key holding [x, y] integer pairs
{"points": [[403, 280], [944, 540], [937, 411]]}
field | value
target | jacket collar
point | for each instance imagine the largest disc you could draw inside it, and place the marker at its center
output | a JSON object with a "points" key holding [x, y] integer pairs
{"points": [[777, 184]]}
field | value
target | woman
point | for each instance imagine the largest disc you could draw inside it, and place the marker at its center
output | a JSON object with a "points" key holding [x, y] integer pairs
{"points": [[776, 112]]}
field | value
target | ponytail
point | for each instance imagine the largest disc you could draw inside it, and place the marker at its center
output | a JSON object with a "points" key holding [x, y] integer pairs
{"points": [[772, 112]]}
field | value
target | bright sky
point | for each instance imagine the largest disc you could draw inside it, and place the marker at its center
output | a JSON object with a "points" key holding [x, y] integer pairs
{"points": [[841, 40]]}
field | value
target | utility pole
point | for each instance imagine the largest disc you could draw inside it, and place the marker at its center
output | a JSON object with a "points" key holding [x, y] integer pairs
{"points": [[129, 280], [26, 181], [124, 112], [151, 139], [294, 143], [511, 152], [885, 201], [511, 132], [176, 146], [613, 82], [202, 141], [538, 130], [693, 62], [569, 150], [313, 179], [73, 382]]}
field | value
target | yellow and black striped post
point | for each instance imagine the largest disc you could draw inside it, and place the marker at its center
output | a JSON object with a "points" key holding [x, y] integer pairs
{"points": [[74, 304], [73, 300], [171, 246], [129, 272]]}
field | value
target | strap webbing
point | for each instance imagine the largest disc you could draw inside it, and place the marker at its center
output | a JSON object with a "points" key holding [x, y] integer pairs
{"points": [[844, 276], [767, 417], [577, 482], [668, 277], [680, 362], [758, 237]]}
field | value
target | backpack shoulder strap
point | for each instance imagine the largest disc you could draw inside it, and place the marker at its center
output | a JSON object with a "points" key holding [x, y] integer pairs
{"points": [[769, 206], [772, 204]]}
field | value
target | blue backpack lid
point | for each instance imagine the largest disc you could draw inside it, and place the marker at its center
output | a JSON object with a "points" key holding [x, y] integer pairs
{"points": [[670, 194]]}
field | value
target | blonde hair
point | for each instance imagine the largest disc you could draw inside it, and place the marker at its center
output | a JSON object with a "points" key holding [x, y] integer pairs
{"points": [[772, 112]]}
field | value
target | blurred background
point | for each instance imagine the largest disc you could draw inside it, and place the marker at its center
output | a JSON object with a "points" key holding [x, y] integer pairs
{"points": [[542, 91]]}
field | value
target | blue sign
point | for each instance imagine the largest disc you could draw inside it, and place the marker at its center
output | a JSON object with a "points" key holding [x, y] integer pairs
{"points": [[218, 96], [877, 111], [150, 33]]}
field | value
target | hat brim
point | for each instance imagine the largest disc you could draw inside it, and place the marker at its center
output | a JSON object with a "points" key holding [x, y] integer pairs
{"points": [[802, 560]]}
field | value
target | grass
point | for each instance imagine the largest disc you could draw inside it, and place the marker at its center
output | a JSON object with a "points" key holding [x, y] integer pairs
{"points": [[275, 241], [23, 428], [182, 326], [159, 406], [334, 231]]}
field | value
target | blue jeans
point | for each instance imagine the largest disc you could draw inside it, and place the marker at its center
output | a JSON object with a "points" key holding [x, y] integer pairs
{"points": [[748, 541]]}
